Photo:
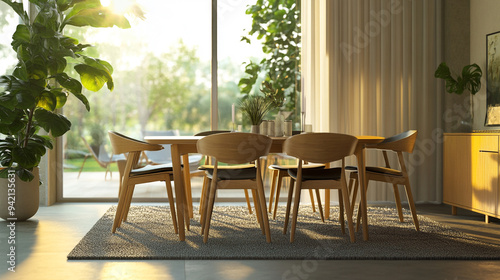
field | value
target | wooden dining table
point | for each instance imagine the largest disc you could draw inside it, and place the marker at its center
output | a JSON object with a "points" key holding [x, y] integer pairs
{"points": [[181, 146]]}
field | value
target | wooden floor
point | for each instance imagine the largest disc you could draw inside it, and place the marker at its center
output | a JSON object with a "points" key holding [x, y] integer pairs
{"points": [[43, 244]]}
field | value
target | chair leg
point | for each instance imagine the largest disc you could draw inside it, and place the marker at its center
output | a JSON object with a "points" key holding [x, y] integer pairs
{"points": [[296, 202], [128, 202], [341, 211], [281, 174], [353, 190], [119, 208], [108, 170], [398, 202], [81, 168], [202, 196], [345, 197], [171, 202], [247, 198], [206, 195], [288, 204], [319, 206], [413, 210], [311, 196], [358, 219], [318, 198], [273, 188], [208, 212], [262, 207], [257, 209]]}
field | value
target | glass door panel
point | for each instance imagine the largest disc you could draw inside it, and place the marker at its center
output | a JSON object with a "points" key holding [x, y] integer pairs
{"points": [[162, 86]]}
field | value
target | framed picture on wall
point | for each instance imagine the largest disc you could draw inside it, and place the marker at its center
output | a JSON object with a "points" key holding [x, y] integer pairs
{"points": [[492, 79]]}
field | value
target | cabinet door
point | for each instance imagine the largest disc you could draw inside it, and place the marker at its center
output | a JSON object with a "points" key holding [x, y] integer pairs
{"points": [[485, 174], [457, 167]]}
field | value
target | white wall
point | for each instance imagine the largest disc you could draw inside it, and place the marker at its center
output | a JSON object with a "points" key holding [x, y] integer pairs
{"points": [[484, 19]]}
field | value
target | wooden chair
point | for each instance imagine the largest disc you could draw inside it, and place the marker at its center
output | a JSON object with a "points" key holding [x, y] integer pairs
{"points": [[280, 172], [404, 142], [235, 148], [132, 175], [207, 164], [319, 148], [102, 158]]}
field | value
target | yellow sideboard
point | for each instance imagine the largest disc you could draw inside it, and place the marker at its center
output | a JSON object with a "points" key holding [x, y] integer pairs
{"points": [[470, 172]]}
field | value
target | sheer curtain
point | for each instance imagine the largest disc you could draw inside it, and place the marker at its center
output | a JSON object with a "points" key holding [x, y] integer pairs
{"points": [[368, 69]]}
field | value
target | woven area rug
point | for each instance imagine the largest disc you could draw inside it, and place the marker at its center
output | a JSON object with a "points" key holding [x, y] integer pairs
{"points": [[235, 234]]}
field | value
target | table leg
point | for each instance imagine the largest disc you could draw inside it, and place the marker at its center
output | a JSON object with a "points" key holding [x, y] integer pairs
{"points": [[360, 156], [327, 199], [327, 204], [179, 190], [187, 184]]}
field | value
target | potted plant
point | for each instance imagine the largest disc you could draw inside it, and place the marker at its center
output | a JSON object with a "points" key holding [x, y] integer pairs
{"points": [[470, 80], [255, 107], [40, 85]]}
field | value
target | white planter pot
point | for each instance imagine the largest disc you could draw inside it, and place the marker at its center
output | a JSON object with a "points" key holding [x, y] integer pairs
{"points": [[26, 197]]}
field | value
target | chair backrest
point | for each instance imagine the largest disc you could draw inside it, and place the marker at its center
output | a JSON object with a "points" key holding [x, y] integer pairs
{"points": [[403, 142], [101, 156], [235, 147], [123, 144], [320, 147], [211, 132]]}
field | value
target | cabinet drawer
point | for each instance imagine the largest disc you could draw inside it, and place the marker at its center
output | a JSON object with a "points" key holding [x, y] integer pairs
{"points": [[486, 143]]}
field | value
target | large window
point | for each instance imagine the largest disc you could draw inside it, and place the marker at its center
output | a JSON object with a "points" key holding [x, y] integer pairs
{"points": [[163, 82], [8, 23]]}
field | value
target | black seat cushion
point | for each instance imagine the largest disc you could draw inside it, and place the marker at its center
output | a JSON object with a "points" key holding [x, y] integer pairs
{"points": [[380, 170], [317, 174], [233, 174], [384, 170], [351, 168], [291, 166], [150, 169]]}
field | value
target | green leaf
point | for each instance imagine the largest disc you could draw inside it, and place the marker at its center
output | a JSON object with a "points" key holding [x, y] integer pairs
{"points": [[60, 96], [470, 79], [99, 64], [64, 4], [73, 85], [25, 157], [47, 101], [25, 99], [6, 116], [91, 13], [20, 71], [4, 173], [15, 127], [57, 65], [20, 36], [245, 39], [54, 123], [44, 140], [93, 79], [25, 174]]}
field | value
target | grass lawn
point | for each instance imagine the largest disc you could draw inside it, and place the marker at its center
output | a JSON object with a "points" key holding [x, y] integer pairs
{"points": [[73, 165]]}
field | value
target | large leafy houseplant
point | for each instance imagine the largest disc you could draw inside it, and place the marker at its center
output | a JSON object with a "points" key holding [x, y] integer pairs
{"points": [[40, 84], [276, 23], [469, 80]]}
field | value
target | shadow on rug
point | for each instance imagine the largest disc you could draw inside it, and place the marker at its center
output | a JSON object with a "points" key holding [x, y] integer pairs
{"points": [[235, 234]]}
